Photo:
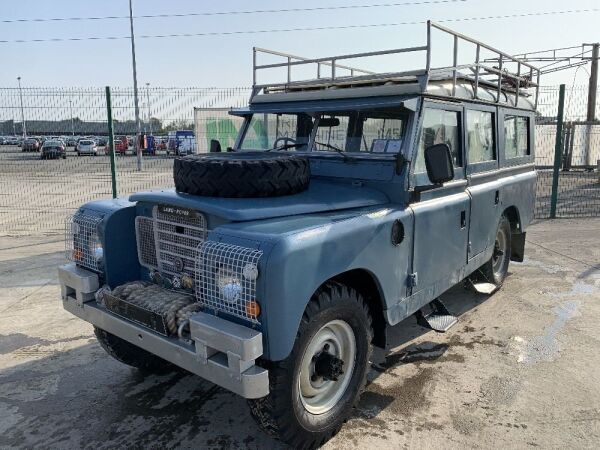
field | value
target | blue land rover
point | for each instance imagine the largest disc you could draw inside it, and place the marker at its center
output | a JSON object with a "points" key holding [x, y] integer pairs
{"points": [[349, 202]]}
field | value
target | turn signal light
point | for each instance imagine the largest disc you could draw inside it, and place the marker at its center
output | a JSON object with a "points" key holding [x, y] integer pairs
{"points": [[77, 255], [253, 309]]}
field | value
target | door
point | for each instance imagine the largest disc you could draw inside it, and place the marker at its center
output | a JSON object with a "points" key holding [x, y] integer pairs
{"points": [[441, 213], [482, 172]]}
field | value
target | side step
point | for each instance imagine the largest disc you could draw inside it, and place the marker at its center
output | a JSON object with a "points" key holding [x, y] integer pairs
{"points": [[482, 287], [436, 316]]}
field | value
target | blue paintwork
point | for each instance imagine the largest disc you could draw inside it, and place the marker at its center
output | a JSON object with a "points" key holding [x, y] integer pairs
{"points": [[344, 220], [117, 234], [321, 196]]}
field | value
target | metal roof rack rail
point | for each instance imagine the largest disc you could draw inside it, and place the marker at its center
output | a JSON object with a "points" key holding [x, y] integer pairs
{"points": [[522, 76]]}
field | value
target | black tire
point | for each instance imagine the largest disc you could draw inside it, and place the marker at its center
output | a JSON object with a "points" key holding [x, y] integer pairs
{"points": [[495, 270], [282, 413], [131, 355], [243, 174]]}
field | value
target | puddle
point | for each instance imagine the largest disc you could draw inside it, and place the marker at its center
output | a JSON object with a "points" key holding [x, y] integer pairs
{"points": [[548, 268], [546, 347], [579, 288]]}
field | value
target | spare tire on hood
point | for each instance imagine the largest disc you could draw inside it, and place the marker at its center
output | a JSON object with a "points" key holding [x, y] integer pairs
{"points": [[241, 174]]}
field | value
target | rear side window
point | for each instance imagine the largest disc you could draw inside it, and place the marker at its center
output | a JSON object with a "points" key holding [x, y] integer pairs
{"points": [[439, 127], [480, 136], [516, 137]]}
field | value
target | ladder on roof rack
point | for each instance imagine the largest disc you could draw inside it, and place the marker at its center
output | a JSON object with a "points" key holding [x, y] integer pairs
{"points": [[521, 76]]}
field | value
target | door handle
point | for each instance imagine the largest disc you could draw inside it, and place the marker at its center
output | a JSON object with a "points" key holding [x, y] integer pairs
{"points": [[497, 198], [463, 219]]}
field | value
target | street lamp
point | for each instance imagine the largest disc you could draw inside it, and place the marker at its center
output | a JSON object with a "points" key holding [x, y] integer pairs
{"points": [[23, 126], [148, 102], [138, 150], [71, 110]]}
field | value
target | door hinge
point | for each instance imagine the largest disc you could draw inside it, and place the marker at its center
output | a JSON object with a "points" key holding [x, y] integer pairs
{"points": [[413, 280]]}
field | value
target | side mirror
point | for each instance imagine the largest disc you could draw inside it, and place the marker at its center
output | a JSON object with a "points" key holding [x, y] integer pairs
{"points": [[215, 146], [438, 161]]}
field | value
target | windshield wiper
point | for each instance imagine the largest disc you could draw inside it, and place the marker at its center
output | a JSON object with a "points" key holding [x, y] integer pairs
{"points": [[286, 146], [339, 150]]}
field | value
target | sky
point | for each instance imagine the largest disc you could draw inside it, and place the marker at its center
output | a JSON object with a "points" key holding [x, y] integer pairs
{"points": [[226, 60]]}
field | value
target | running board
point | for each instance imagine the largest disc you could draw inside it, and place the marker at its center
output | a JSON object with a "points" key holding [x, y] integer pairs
{"points": [[482, 287], [436, 317]]}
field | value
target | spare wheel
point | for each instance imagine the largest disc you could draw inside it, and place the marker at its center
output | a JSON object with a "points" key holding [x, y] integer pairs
{"points": [[241, 174]]}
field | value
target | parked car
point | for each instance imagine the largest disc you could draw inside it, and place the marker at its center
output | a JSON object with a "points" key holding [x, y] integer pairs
{"points": [[12, 140], [71, 141], [87, 147], [120, 148], [30, 145], [121, 144], [53, 149], [346, 208], [102, 141]]}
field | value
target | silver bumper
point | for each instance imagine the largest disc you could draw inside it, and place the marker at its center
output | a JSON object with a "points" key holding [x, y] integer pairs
{"points": [[222, 352]]}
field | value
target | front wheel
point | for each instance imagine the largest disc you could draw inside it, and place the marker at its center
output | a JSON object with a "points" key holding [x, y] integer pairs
{"points": [[313, 391], [496, 269]]}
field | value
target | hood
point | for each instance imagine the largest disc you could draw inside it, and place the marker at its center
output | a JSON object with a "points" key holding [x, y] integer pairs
{"points": [[320, 196]]}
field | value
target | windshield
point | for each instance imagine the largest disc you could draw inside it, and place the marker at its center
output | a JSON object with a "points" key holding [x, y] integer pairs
{"points": [[369, 131], [86, 142], [269, 131]]}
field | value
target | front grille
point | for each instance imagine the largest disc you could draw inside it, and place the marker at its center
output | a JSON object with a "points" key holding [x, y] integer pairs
{"points": [[226, 278], [168, 242], [82, 241]]}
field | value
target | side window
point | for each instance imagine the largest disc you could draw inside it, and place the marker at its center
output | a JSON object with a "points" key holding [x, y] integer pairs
{"points": [[480, 136], [516, 136], [439, 127]]}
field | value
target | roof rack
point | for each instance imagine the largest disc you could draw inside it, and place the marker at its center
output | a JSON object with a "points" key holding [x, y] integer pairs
{"points": [[491, 74]]}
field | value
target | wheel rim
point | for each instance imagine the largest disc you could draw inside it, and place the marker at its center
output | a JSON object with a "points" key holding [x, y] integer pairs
{"points": [[499, 254], [320, 384]]}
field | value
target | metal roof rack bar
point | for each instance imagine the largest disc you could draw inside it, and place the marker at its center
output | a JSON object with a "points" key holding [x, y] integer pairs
{"points": [[504, 80]]}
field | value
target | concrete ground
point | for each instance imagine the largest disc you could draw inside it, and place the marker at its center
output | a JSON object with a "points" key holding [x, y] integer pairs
{"points": [[520, 370]]}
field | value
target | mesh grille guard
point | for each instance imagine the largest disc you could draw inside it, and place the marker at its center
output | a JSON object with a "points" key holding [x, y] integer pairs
{"points": [[82, 241]]}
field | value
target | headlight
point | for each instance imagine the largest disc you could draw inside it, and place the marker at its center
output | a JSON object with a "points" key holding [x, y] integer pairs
{"points": [[229, 285], [98, 252]]}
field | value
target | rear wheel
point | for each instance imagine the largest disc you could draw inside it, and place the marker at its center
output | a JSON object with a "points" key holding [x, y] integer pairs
{"points": [[129, 354], [313, 391], [496, 269]]}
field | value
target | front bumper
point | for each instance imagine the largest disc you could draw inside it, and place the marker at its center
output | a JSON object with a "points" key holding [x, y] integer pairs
{"points": [[220, 351]]}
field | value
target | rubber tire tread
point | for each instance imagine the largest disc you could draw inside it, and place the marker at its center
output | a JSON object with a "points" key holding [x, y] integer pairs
{"points": [[130, 354], [274, 414], [266, 175]]}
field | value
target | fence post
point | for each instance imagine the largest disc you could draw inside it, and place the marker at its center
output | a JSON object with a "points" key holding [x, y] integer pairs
{"points": [[111, 143], [557, 150]]}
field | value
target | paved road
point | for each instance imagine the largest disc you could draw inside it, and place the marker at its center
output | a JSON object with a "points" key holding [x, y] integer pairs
{"points": [[521, 370]]}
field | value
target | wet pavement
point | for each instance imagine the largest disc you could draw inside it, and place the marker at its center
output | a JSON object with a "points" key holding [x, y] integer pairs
{"points": [[520, 370]]}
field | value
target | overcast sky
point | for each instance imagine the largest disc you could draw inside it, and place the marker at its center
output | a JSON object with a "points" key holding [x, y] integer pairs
{"points": [[226, 60]]}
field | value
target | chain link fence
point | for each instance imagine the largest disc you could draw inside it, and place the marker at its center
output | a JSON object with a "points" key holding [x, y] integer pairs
{"points": [[578, 193], [36, 194]]}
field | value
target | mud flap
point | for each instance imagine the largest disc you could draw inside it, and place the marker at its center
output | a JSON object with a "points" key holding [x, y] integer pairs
{"points": [[517, 246], [436, 316]]}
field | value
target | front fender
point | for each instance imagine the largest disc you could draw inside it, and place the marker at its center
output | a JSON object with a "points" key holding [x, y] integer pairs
{"points": [[301, 262], [117, 234]]}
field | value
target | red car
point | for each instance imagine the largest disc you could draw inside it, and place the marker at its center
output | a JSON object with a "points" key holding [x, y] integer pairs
{"points": [[120, 148]]}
